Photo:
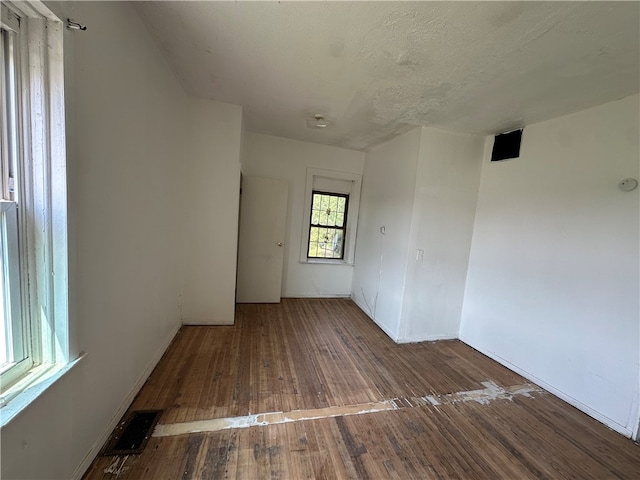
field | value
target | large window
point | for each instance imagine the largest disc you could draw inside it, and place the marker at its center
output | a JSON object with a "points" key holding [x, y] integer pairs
{"points": [[328, 225], [15, 358], [34, 345]]}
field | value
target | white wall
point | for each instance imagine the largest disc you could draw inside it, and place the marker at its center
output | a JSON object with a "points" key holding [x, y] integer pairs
{"points": [[133, 151], [275, 157], [387, 197], [553, 282], [444, 204], [213, 192], [422, 187]]}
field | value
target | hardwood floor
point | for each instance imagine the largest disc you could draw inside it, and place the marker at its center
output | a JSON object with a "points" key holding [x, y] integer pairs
{"points": [[356, 406]]}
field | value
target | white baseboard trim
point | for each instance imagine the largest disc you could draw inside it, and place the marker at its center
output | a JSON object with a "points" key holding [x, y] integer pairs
{"points": [[95, 449], [428, 338], [199, 322], [627, 432], [317, 295]]}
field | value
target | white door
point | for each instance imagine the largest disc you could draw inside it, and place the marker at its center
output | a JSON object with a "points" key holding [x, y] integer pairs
{"points": [[263, 215]]}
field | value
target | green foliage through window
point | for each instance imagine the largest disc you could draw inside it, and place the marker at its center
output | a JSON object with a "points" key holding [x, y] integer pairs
{"points": [[328, 223]]}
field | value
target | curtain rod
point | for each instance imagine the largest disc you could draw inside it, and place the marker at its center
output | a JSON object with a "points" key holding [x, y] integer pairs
{"points": [[73, 25]]}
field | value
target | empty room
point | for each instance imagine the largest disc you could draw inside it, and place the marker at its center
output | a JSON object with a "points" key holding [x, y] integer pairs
{"points": [[320, 240]]}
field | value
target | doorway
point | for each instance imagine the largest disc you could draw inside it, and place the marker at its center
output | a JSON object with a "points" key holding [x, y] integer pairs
{"points": [[261, 241]]}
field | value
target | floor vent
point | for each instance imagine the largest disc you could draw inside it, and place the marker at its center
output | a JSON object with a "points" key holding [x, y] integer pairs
{"points": [[132, 434]]}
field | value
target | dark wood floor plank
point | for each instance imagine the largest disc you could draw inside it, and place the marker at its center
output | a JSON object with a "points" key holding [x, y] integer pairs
{"points": [[307, 354]]}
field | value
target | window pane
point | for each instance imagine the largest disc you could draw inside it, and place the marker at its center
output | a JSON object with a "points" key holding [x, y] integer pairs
{"points": [[324, 214], [11, 328], [325, 242], [316, 201], [333, 206], [9, 139], [313, 242], [336, 243], [4, 347]]}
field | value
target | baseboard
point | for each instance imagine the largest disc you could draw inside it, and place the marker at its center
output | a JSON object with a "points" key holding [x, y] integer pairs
{"points": [[558, 393], [199, 322], [317, 295], [428, 338], [95, 449]]}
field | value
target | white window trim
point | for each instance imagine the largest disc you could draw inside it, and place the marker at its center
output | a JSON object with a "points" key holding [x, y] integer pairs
{"points": [[43, 182], [352, 216]]}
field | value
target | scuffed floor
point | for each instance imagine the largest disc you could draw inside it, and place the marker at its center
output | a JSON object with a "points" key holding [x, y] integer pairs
{"points": [[312, 389]]}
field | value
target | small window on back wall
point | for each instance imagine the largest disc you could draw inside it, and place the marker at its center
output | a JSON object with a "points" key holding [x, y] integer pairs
{"points": [[328, 225]]}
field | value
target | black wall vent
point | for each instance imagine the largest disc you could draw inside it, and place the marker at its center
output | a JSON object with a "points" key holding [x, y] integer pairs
{"points": [[506, 145]]}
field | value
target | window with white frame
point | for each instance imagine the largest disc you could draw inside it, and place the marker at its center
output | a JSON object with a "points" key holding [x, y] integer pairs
{"points": [[331, 214], [33, 223]]}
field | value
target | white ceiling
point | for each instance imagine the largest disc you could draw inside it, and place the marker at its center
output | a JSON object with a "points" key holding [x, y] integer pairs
{"points": [[377, 69]]}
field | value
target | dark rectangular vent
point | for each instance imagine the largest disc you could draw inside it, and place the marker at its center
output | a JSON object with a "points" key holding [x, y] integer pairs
{"points": [[506, 145], [132, 434]]}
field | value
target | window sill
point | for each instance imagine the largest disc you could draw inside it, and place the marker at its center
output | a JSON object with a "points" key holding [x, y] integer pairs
{"points": [[327, 261], [34, 384]]}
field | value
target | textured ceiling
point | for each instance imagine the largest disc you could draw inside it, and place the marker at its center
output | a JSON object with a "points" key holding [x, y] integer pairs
{"points": [[377, 69]]}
